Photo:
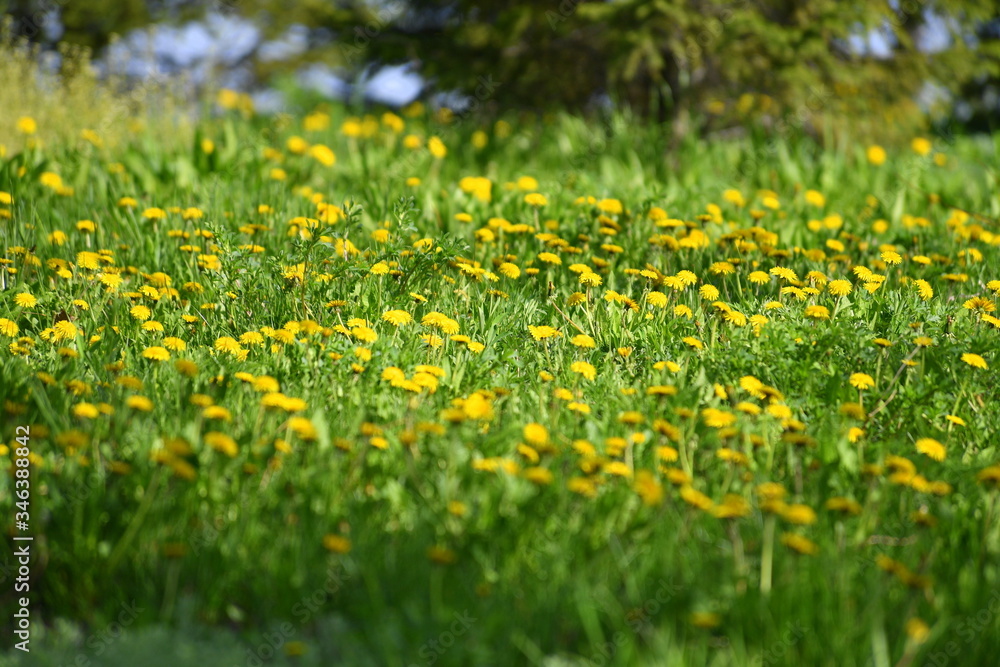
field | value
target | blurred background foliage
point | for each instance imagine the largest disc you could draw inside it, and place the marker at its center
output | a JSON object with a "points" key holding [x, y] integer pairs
{"points": [[878, 69]]}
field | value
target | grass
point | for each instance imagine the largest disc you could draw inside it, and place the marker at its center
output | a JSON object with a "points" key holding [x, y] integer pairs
{"points": [[702, 485]]}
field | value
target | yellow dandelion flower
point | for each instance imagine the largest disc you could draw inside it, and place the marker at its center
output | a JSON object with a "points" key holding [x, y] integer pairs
{"points": [[876, 155], [693, 342], [975, 360], [221, 443], [862, 381], [140, 403], [891, 257], [695, 498], [85, 411], [802, 515], [538, 475], [839, 287], [156, 353], [536, 434], [931, 448], [437, 148], [543, 332], [337, 544], [397, 317], [817, 312], [584, 369], [800, 544], [25, 300]]}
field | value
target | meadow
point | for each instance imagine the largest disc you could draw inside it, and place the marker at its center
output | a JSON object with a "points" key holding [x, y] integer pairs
{"points": [[409, 388]]}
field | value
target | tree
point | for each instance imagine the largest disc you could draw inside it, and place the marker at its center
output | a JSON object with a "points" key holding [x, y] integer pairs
{"points": [[672, 60], [699, 64]]}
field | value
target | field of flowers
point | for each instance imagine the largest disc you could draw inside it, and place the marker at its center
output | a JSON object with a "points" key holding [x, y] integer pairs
{"points": [[404, 389]]}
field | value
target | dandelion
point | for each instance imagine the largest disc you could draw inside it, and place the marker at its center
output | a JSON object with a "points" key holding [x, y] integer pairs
{"points": [[843, 505], [174, 343], [610, 206], [980, 304], [437, 148], [816, 312], [510, 270], [85, 411], [802, 515], [921, 146], [646, 486], [715, 418], [693, 342], [304, 429], [931, 448], [139, 403], [876, 155], [337, 544], [543, 332], [65, 330], [785, 273], [478, 407], [584, 369], [538, 475], [221, 442], [440, 321], [815, 198], [536, 434], [924, 289], [839, 287], [397, 318], [186, 367], [616, 468], [799, 544], [989, 476], [323, 155], [217, 412], [25, 300], [227, 344], [695, 498], [156, 353], [862, 381], [975, 360], [657, 299]]}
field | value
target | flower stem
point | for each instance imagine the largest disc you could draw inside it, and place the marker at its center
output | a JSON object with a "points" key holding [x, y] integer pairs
{"points": [[767, 556]]}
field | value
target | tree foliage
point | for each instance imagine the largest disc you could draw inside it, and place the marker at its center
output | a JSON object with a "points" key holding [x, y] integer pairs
{"points": [[719, 60], [697, 63]]}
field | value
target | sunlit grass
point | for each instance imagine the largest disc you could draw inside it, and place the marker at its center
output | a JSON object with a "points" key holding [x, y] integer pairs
{"points": [[634, 417]]}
